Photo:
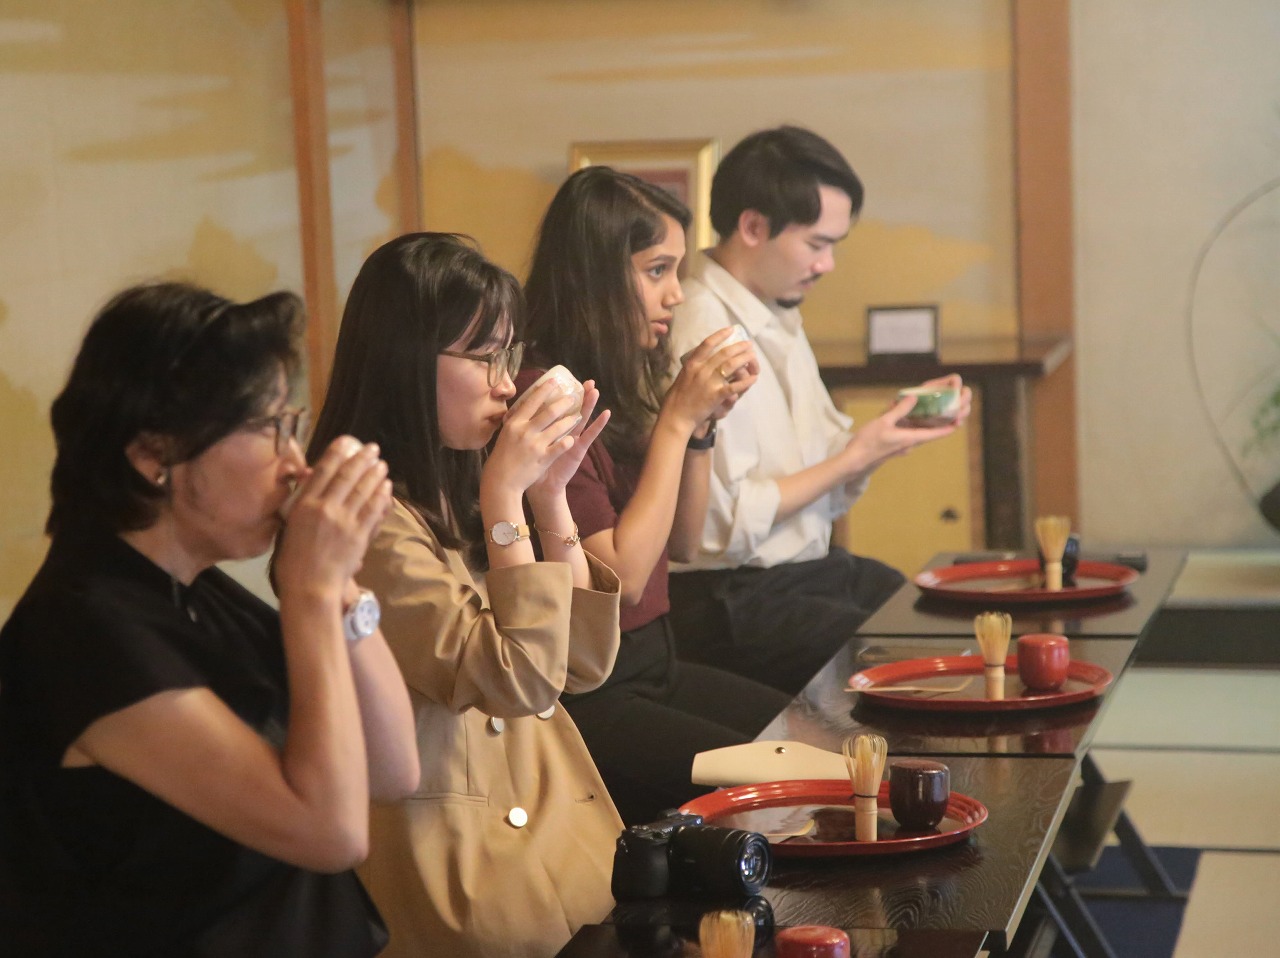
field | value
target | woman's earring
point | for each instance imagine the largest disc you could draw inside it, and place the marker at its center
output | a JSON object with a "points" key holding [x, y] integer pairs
{"points": [[162, 477]]}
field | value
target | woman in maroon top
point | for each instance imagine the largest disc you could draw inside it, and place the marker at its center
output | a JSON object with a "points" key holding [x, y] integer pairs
{"points": [[600, 294]]}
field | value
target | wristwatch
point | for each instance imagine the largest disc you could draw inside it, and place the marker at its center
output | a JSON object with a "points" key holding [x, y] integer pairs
{"points": [[360, 620], [707, 441], [504, 533]]}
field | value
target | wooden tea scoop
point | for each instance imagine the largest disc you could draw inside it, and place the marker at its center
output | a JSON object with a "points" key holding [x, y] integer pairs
{"points": [[958, 686]]}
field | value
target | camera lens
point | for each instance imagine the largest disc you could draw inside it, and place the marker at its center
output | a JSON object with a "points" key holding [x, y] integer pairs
{"points": [[711, 862], [753, 862]]}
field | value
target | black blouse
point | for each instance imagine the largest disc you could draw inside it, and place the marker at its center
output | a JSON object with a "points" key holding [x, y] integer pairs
{"points": [[95, 864]]}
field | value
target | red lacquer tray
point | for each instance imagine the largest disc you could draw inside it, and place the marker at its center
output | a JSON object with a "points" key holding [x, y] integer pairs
{"points": [[1084, 681], [1018, 580], [772, 807]]}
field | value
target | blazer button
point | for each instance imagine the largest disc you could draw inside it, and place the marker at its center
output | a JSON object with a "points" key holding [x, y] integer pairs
{"points": [[517, 817], [549, 711], [496, 725]]}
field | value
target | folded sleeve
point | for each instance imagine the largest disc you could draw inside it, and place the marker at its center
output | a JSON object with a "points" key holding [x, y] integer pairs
{"points": [[507, 658], [593, 629]]}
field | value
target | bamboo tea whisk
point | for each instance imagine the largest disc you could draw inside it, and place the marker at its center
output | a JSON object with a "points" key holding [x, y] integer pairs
{"points": [[993, 631], [727, 934], [864, 757], [1051, 534]]}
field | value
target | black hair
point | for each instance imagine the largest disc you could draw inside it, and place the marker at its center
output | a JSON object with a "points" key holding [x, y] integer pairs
{"points": [[584, 308], [413, 297], [173, 362], [777, 172]]}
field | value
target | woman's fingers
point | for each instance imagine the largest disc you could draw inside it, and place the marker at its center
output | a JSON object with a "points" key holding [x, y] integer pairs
{"points": [[708, 345], [592, 432], [528, 404], [590, 396], [734, 361], [339, 451]]}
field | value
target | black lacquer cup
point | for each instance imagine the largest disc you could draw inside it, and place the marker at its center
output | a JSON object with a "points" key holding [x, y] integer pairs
{"points": [[919, 790]]}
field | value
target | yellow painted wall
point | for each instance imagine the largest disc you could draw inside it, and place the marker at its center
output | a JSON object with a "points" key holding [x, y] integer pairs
{"points": [[915, 92], [900, 518], [146, 139]]}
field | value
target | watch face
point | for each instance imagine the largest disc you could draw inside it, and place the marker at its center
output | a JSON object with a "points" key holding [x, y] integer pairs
{"points": [[365, 616], [504, 533], [361, 620]]}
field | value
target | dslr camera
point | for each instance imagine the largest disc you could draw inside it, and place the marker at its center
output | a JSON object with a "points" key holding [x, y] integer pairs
{"points": [[680, 857]]}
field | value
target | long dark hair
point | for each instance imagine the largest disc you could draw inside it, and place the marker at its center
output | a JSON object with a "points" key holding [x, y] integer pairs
{"points": [[172, 360], [413, 297], [582, 304]]}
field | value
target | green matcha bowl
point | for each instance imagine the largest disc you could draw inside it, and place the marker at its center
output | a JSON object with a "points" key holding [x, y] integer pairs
{"points": [[934, 407]]}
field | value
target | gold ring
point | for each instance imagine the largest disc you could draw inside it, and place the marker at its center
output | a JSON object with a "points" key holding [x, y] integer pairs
{"points": [[724, 375]]}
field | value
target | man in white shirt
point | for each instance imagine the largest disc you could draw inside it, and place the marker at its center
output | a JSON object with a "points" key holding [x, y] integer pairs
{"points": [[768, 596]]}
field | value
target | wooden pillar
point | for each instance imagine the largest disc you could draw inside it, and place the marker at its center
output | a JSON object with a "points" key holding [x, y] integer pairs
{"points": [[407, 167], [1045, 244], [311, 150]]}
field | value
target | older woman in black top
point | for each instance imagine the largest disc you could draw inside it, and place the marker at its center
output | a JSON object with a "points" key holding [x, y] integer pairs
{"points": [[182, 770]]}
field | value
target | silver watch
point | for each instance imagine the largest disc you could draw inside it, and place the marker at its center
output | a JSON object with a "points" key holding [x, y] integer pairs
{"points": [[361, 618]]}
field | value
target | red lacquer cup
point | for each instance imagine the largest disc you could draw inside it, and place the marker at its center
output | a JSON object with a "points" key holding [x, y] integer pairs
{"points": [[1042, 661]]}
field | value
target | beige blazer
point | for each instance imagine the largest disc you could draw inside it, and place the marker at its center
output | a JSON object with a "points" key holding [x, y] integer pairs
{"points": [[507, 846]]}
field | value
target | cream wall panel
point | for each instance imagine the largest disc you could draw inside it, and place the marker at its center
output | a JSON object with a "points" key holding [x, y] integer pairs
{"points": [[141, 139], [915, 92], [360, 90], [1175, 123]]}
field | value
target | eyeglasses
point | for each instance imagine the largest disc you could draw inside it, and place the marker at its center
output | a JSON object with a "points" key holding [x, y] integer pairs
{"points": [[501, 362], [289, 424]]}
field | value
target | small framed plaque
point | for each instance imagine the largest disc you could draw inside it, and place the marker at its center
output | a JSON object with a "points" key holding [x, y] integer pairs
{"points": [[902, 333]]}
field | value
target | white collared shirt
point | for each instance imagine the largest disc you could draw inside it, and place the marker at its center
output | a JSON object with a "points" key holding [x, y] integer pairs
{"points": [[785, 423]]}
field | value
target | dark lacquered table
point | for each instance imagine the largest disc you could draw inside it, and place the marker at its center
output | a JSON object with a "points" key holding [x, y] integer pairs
{"points": [[981, 885], [971, 895], [912, 613], [961, 899]]}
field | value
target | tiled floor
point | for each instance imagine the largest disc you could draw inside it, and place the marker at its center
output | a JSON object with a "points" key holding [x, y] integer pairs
{"points": [[1203, 750]]}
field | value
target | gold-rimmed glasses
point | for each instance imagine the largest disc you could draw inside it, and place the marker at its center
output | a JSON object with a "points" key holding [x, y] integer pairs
{"points": [[501, 362], [293, 423]]}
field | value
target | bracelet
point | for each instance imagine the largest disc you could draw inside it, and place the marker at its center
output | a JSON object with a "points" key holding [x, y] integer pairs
{"points": [[706, 442], [569, 541]]}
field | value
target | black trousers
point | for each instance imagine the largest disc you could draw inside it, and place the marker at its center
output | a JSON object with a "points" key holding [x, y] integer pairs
{"points": [[778, 625], [654, 714]]}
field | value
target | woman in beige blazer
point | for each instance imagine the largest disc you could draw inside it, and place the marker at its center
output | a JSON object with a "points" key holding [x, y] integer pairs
{"points": [[507, 845]]}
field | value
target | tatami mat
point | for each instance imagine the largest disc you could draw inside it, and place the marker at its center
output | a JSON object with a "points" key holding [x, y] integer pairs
{"points": [[1193, 708], [1202, 748], [1232, 910]]}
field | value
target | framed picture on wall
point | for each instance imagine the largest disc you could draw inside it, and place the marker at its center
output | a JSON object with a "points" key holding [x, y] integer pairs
{"points": [[683, 167], [902, 332]]}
